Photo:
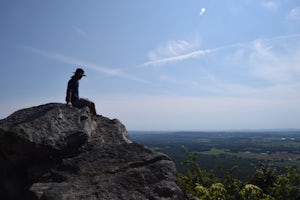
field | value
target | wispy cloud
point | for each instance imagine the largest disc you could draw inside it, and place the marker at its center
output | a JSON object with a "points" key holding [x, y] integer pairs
{"points": [[271, 67], [171, 48], [165, 55], [90, 65], [270, 5], [294, 14], [79, 31], [171, 51], [186, 56], [266, 68], [274, 66]]}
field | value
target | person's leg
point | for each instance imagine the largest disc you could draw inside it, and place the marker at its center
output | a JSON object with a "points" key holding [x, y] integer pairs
{"points": [[80, 103], [93, 108]]}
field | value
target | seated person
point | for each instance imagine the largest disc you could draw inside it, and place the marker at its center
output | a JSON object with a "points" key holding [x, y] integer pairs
{"points": [[72, 97]]}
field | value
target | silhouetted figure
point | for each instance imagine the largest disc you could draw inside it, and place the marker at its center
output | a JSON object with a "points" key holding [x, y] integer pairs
{"points": [[72, 97]]}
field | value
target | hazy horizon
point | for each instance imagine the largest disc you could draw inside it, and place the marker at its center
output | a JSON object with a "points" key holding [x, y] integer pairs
{"points": [[277, 130]]}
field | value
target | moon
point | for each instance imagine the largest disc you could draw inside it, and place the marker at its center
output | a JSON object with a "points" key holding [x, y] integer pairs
{"points": [[202, 11]]}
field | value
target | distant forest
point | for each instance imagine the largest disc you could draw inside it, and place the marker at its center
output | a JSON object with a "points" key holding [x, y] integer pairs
{"points": [[242, 151]]}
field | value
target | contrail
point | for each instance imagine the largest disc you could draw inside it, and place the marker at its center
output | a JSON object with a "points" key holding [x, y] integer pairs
{"points": [[205, 52], [89, 65]]}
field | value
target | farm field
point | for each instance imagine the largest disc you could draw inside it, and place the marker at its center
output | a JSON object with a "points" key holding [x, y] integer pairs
{"points": [[243, 149]]}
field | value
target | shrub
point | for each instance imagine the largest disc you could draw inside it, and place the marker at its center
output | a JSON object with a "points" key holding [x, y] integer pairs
{"points": [[266, 183]]}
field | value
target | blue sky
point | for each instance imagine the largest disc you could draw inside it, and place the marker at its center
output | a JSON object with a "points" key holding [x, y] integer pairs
{"points": [[157, 65]]}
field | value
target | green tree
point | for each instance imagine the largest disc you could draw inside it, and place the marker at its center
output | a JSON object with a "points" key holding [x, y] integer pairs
{"points": [[217, 191], [264, 177], [252, 192], [266, 183], [287, 186], [194, 176]]}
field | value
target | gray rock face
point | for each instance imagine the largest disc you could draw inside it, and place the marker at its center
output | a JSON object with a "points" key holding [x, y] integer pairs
{"points": [[55, 152]]}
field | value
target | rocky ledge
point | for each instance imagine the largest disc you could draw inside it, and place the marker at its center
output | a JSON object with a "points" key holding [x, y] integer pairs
{"points": [[55, 152]]}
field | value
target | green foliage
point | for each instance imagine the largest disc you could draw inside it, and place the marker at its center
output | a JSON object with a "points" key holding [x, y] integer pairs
{"points": [[217, 191], [287, 186], [201, 191], [266, 183], [195, 175], [205, 185], [264, 176], [252, 192]]}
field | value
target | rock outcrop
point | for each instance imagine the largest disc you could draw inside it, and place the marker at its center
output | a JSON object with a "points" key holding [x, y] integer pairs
{"points": [[55, 152]]}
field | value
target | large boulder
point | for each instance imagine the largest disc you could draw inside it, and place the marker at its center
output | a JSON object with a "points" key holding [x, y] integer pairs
{"points": [[56, 152]]}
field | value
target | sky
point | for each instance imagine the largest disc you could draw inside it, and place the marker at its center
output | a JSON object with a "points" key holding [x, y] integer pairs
{"points": [[157, 65]]}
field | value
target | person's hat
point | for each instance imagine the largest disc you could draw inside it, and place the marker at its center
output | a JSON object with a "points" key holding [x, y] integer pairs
{"points": [[80, 71]]}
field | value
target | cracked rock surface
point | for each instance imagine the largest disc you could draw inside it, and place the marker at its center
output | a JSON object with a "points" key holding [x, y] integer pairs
{"points": [[55, 152]]}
